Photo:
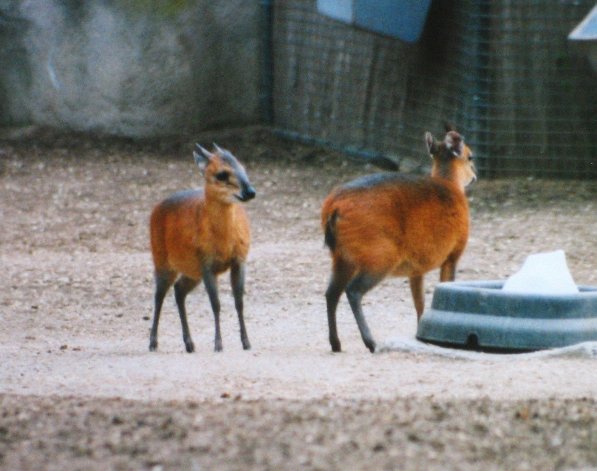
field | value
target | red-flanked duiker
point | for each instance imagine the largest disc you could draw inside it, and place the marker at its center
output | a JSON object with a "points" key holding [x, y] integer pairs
{"points": [[199, 234], [392, 224]]}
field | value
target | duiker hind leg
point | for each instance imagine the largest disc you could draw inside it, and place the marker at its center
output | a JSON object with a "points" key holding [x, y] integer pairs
{"points": [[182, 287], [237, 280], [355, 291], [341, 275]]}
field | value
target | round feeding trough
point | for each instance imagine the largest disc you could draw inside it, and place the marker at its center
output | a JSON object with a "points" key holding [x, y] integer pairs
{"points": [[478, 315]]}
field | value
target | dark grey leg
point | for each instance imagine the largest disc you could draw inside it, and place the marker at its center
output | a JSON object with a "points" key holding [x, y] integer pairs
{"points": [[182, 287], [354, 292], [237, 280], [338, 281], [211, 285], [163, 281]]}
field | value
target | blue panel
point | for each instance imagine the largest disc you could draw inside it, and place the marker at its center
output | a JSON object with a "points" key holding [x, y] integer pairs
{"points": [[337, 9], [587, 29], [403, 19]]}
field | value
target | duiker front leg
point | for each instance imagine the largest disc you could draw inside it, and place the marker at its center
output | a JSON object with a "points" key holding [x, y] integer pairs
{"points": [[418, 292], [182, 287], [448, 271], [237, 280], [211, 286], [163, 281]]}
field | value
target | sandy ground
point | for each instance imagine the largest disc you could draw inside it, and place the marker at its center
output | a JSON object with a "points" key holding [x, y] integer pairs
{"points": [[80, 390]]}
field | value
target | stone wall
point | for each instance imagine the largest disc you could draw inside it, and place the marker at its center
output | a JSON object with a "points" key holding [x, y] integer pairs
{"points": [[133, 68]]}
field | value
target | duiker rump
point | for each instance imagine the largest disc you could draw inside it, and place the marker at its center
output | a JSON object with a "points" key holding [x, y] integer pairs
{"points": [[199, 234], [392, 224]]}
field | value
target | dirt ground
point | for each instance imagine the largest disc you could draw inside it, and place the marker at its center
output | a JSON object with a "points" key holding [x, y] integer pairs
{"points": [[80, 390]]}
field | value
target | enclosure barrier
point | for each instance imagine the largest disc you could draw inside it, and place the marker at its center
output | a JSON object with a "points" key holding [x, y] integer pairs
{"points": [[502, 70]]}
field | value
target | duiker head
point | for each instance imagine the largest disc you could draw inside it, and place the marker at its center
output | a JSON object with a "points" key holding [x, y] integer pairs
{"points": [[225, 177], [452, 158]]}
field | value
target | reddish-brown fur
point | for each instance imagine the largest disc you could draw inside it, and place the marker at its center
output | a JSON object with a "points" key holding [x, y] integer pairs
{"points": [[193, 228], [197, 235], [397, 225]]}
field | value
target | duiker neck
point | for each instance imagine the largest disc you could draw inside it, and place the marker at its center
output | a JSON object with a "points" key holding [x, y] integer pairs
{"points": [[213, 199], [447, 170], [220, 216]]}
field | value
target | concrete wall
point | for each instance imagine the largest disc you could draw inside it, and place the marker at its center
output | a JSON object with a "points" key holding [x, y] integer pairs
{"points": [[133, 68]]}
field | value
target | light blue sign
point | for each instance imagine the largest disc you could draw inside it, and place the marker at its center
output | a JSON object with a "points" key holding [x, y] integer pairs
{"points": [[403, 19]]}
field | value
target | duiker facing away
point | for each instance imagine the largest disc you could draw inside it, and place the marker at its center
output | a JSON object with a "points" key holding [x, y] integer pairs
{"points": [[390, 224]]}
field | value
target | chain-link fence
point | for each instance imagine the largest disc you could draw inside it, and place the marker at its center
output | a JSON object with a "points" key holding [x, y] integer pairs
{"points": [[501, 70]]}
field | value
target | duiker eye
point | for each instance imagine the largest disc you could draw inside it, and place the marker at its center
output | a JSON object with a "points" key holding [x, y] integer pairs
{"points": [[222, 176]]}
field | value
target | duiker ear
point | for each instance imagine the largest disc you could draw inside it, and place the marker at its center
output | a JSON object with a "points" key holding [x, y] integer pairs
{"points": [[454, 143], [217, 148], [448, 126], [431, 144], [202, 157]]}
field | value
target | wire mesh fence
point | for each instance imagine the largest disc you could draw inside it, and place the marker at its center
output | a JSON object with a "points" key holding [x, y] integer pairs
{"points": [[501, 70]]}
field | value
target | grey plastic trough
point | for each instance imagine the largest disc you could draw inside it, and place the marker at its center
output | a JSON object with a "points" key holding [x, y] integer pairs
{"points": [[480, 316]]}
